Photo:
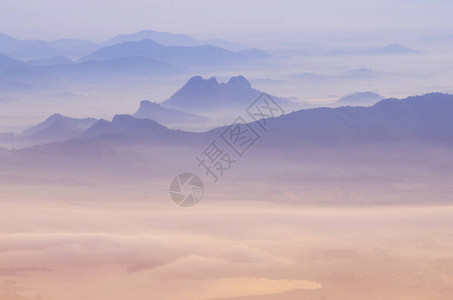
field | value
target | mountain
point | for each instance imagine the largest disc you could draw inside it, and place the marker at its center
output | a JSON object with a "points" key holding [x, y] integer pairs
{"points": [[391, 49], [43, 49], [200, 95], [170, 117], [163, 38], [359, 99], [54, 128], [57, 128], [421, 119], [77, 48], [50, 121], [36, 49], [394, 148], [179, 55], [424, 119], [125, 124], [125, 129], [60, 130], [171, 39], [74, 48]]}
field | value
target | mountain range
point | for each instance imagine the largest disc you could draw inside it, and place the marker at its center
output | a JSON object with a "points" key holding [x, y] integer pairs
{"points": [[179, 55], [171, 39], [77, 48], [424, 118], [144, 59], [57, 122], [36, 49], [206, 96], [421, 118], [55, 128]]}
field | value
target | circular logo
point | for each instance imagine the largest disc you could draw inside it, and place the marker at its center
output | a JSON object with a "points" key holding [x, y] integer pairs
{"points": [[186, 189]]}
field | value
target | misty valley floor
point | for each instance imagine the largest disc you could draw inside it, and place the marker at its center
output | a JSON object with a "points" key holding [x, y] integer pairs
{"points": [[142, 249]]}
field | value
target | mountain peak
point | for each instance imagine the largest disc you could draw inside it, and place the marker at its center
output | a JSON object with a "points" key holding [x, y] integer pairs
{"points": [[200, 94], [200, 80], [236, 82], [129, 122], [395, 49], [121, 119], [125, 124], [57, 116], [58, 127], [148, 104], [198, 85], [239, 82]]}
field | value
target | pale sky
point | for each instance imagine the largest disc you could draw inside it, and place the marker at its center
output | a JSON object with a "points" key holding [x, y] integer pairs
{"points": [[101, 19]]}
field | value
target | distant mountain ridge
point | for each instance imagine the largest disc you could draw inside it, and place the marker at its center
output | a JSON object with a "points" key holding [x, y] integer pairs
{"points": [[424, 119], [81, 124], [33, 65], [55, 128], [36, 49], [124, 124], [172, 39], [127, 130], [179, 55], [359, 99], [77, 48]]}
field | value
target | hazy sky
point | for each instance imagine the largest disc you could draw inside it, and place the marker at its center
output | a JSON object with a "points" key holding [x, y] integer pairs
{"points": [[100, 19]]}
